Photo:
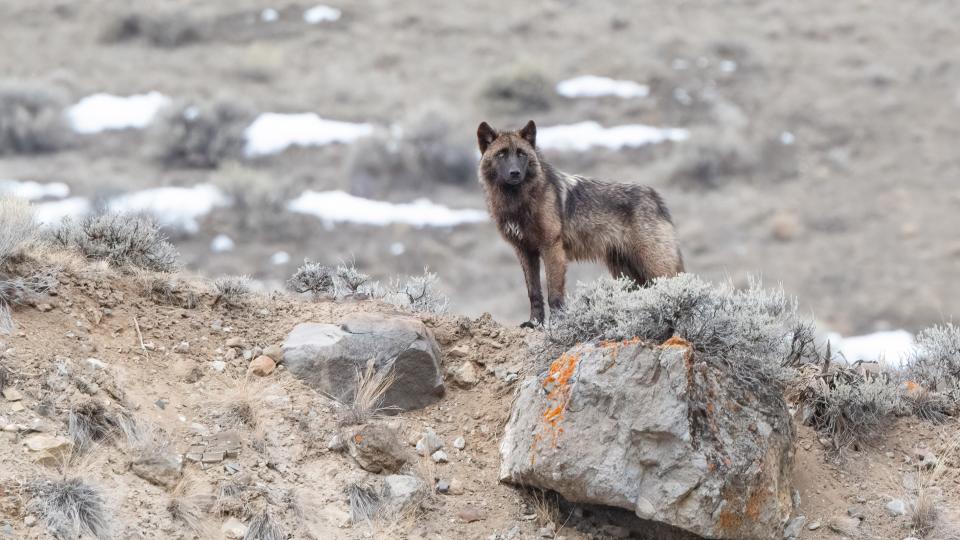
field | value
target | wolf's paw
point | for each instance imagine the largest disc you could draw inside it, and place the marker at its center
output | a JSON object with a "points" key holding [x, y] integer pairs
{"points": [[531, 324]]}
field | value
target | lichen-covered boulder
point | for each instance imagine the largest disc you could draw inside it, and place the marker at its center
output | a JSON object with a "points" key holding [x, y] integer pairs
{"points": [[329, 356], [653, 430]]}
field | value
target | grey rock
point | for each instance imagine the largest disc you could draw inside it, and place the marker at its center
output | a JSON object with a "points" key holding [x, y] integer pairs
{"points": [[897, 507], [160, 468], [327, 357], [465, 375], [429, 443], [443, 486], [844, 525], [814, 526], [856, 512], [636, 427], [400, 491], [459, 443], [376, 447], [233, 528], [794, 527], [439, 456]]}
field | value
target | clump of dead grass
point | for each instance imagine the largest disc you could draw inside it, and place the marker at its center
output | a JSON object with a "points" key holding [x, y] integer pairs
{"points": [[367, 403], [232, 291], [70, 507], [186, 506]]}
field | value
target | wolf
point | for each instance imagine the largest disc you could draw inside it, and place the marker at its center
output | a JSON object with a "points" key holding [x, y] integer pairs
{"points": [[558, 217]]}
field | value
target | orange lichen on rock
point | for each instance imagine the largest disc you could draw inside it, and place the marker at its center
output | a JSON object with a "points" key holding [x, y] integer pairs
{"points": [[557, 385], [676, 341]]}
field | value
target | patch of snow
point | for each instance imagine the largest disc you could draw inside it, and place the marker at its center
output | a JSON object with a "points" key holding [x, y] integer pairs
{"points": [[53, 212], [34, 191], [397, 249], [101, 112], [272, 133], [728, 66], [269, 15], [892, 348], [787, 138], [221, 243], [176, 207], [280, 257], [593, 86], [585, 135], [339, 206], [321, 13]]}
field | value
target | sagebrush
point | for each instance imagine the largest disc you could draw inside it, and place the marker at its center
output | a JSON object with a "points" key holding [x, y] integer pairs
{"points": [[31, 118], [936, 361], [201, 135], [231, 291], [125, 241], [313, 278], [166, 30], [17, 227], [70, 507], [416, 293], [755, 333], [518, 89]]}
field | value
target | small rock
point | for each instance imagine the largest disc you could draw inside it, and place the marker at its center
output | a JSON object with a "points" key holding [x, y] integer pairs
{"points": [[469, 515], [814, 526], [50, 449], [182, 348], [336, 444], [456, 487], [439, 456], [860, 499], [233, 528], [44, 307], [460, 351], [399, 490], [376, 447], [30, 521], [12, 394], [16, 406], [160, 468], [274, 352], [465, 375], [161, 404], [845, 525], [429, 443], [794, 526], [218, 366], [856, 512], [235, 342], [443, 486], [459, 443], [897, 507], [262, 366], [545, 532]]}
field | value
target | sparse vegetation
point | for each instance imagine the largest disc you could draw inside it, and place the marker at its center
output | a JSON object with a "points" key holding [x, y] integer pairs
{"points": [[184, 506], [364, 503], [123, 240], [259, 201], [264, 527], [416, 293], [428, 149], [237, 407], [17, 227], [31, 118], [70, 507], [936, 362], [232, 291], [754, 333], [90, 424], [167, 30], [518, 89], [201, 135], [372, 385], [710, 159], [313, 278], [169, 289], [350, 280]]}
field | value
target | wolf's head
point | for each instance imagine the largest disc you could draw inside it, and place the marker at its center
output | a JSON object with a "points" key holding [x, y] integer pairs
{"points": [[509, 157]]}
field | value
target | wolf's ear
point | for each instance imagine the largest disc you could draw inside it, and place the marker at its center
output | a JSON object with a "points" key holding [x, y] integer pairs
{"points": [[529, 133], [485, 136]]}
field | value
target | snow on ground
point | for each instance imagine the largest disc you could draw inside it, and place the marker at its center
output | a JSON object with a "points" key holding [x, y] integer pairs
{"points": [[53, 212], [593, 86], [280, 257], [101, 112], [175, 207], [892, 348], [320, 13], [34, 191], [341, 207], [221, 243], [584, 135], [272, 133], [269, 15]]}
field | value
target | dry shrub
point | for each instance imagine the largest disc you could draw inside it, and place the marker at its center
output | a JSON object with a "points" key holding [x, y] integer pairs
{"points": [[187, 506], [90, 424], [364, 502], [169, 289], [264, 527], [936, 362], [519, 89], [17, 227], [123, 240], [313, 278], [166, 30], [372, 386], [711, 158], [259, 201], [232, 291], [415, 293], [201, 135], [70, 507], [31, 118]]}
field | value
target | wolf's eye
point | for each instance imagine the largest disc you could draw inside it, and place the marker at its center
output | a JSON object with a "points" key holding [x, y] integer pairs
{"points": [[521, 154], [502, 154]]}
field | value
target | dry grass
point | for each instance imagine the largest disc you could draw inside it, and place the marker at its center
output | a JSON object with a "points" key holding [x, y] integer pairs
{"points": [[364, 503], [232, 291], [68, 504], [17, 227], [264, 527], [926, 508], [237, 406], [31, 118], [185, 506], [168, 289], [372, 386], [90, 424]]}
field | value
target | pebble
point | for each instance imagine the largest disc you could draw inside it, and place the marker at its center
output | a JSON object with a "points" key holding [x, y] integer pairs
{"points": [[439, 456], [897, 507], [429, 443], [814, 526], [794, 526], [233, 528], [273, 351], [443, 486], [182, 348], [459, 443], [12, 394], [262, 366], [236, 342], [30, 521], [218, 366]]}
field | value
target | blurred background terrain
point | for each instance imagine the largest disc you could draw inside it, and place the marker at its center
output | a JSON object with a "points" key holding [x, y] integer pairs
{"points": [[820, 142]]}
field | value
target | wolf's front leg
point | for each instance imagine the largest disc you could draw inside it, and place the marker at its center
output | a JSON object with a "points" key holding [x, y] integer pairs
{"points": [[555, 260], [530, 261]]}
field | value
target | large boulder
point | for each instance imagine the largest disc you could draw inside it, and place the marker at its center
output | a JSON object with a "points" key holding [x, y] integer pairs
{"points": [[655, 431], [328, 357]]}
